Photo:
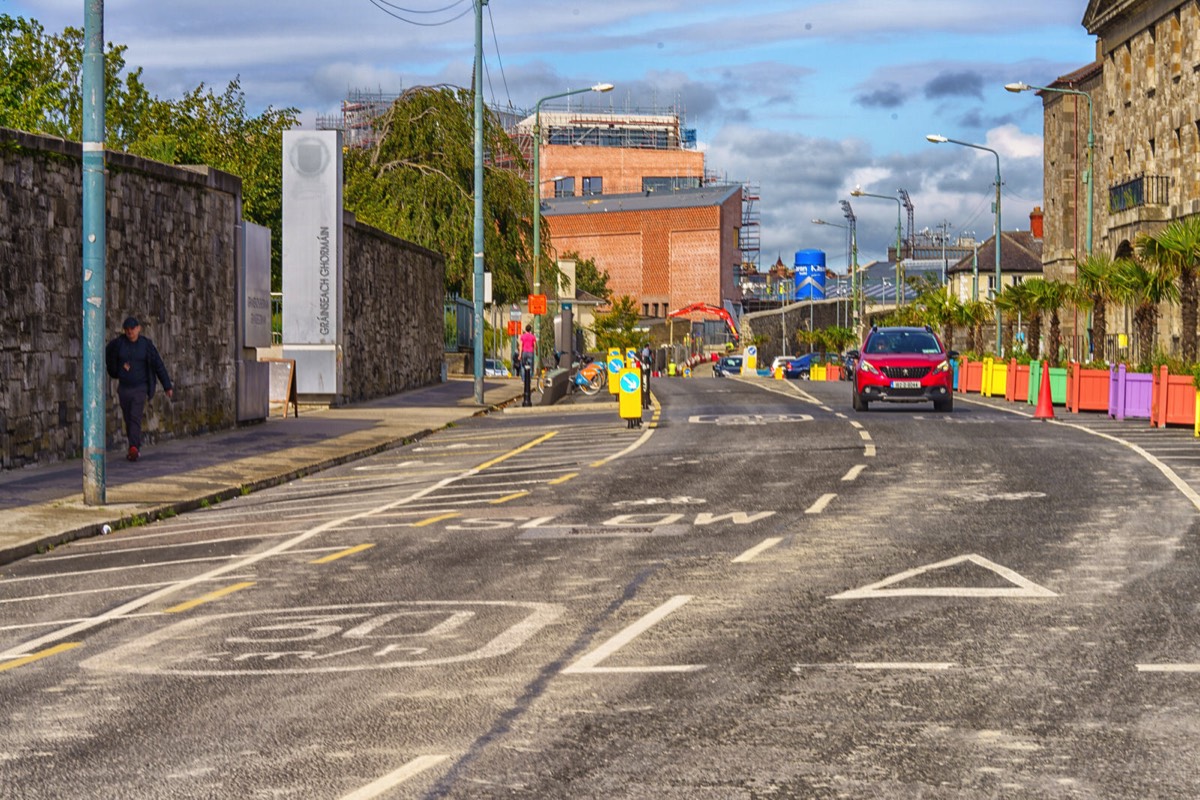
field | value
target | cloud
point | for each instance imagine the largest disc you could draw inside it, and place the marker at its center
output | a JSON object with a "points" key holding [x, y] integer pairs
{"points": [[890, 95], [967, 83]]}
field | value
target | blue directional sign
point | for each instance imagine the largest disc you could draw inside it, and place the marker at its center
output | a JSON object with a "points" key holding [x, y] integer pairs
{"points": [[631, 382], [615, 365]]}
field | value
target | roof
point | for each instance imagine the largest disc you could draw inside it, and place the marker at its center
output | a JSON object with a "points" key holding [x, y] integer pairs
{"points": [[640, 201], [1020, 253], [1071, 79]]}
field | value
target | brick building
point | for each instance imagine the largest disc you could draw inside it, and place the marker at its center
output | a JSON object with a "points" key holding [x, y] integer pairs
{"points": [[666, 250], [1143, 87], [629, 191]]}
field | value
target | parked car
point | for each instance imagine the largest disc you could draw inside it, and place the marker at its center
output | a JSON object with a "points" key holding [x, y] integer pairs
{"points": [[728, 365], [798, 367], [903, 365], [494, 368]]}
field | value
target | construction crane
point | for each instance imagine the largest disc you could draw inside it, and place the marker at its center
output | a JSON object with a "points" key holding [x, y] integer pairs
{"points": [[912, 242]]}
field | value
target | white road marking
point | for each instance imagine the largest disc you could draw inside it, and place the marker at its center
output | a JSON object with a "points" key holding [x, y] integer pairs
{"points": [[107, 589], [856, 424], [376, 788], [869, 451], [1022, 588], [1168, 667], [588, 663], [854, 472], [819, 506], [880, 665], [763, 546], [641, 440], [865, 435]]}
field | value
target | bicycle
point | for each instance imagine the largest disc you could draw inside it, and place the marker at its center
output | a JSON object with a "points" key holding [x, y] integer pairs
{"points": [[585, 376]]}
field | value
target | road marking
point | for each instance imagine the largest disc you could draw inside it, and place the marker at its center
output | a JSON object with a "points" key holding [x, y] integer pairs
{"points": [[518, 451], [1168, 667], [438, 518], [865, 435], [1023, 588], [376, 788], [641, 440], [819, 506], [761, 547], [588, 663], [29, 659], [563, 478], [854, 472], [856, 424], [358, 548], [508, 497], [217, 595], [748, 419], [869, 451], [881, 665]]}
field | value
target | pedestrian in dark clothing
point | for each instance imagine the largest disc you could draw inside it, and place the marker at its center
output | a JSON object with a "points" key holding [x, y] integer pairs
{"points": [[134, 361]]}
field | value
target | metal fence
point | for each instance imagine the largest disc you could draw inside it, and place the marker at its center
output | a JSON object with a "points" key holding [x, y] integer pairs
{"points": [[459, 327], [1144, 190]]}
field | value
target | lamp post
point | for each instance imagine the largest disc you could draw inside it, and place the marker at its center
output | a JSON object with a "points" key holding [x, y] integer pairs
{"points": [[537, 195], [849, 247], [855, 278], [1087, 175], [939, 139], [858, 192], [477, 249]]}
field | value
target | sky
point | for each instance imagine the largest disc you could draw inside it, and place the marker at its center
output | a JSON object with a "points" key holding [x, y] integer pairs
{"points": [[804, 98]]}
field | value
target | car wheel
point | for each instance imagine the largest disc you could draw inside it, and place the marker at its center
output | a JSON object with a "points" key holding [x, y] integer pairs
{"points": [[858, 402], [803, 374], [945, 406]]}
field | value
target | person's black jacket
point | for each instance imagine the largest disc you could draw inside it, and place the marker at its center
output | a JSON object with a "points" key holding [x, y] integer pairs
{"points": [[145, 364]]}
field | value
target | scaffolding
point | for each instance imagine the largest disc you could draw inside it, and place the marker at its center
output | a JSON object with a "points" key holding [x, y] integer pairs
{"points": [[750, 234], [357, 119]]}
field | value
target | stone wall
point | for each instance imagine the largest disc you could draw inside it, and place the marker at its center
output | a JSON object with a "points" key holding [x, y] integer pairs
{"points": [[795, 318], [172, 259], [171, 255], [393, 293]]}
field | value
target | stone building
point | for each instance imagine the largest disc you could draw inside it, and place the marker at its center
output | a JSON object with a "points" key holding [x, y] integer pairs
{"points": [[1143, 85]]}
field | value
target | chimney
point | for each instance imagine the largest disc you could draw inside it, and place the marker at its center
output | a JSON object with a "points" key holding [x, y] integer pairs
{"points": [[1035, 222]]}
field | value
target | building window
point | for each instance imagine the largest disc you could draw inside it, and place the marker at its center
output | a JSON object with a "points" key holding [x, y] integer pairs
{"points": [[669, 184], [564, 187], [593, 185], [645, 309]]}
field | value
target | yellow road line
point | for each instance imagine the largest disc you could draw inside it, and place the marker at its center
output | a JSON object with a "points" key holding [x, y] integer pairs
{"points": [[218, 594], [506, 498], [358, 548], [29, 659], [564, 478], [431, 520], [519, 450]]}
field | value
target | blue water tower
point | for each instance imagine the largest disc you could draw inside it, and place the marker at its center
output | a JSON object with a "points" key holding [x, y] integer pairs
{"points": [[810, 275]]}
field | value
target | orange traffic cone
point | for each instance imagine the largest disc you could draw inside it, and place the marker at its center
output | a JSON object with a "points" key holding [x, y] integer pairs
{"points": [[1045, 406]]}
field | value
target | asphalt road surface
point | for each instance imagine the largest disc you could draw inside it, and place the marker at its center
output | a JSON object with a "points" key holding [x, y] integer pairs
{"points": [[759, 594]]}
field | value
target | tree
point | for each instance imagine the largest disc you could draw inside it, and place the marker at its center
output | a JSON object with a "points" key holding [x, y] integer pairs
{"points": [[418, 182], [1176, 250], [1094, 276], [588, 277], [1049, 296], [1144, 286], [1016, 304], [617, 328]]}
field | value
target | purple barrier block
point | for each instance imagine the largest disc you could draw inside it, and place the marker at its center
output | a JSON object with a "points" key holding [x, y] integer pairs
{"points": [[1129, 393]]}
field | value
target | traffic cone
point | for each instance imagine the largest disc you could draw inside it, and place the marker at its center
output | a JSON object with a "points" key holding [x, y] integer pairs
{"points": [[1045, 406]]}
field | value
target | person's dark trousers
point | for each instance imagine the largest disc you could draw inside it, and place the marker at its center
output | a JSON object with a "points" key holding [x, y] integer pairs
{"points": [[133, 404]]}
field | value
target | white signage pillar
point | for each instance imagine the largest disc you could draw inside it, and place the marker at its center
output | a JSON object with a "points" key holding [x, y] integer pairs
{"points": [[312, 259]]}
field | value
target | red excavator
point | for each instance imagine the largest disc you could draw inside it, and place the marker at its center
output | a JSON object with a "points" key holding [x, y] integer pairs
{"points": [[705, 308]]}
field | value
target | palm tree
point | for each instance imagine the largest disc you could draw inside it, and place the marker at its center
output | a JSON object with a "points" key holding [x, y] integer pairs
{"points": [[1144, 286], [972, 314], [1176, 250], [1050, 297], [1013, 301], [941, 312], [1095, 279]]}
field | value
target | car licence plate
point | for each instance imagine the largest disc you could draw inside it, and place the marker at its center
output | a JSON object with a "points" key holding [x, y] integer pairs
{"points": [[906, 384]]}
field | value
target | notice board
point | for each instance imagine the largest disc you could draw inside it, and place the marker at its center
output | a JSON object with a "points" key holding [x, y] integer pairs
{"points": [[283, 384]]}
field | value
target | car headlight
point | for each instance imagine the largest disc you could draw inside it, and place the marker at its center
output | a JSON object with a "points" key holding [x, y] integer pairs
{"points": [[942, 367], [867, 366]]}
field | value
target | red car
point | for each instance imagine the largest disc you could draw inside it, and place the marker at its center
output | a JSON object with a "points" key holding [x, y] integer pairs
{"points": [[903, 365]]}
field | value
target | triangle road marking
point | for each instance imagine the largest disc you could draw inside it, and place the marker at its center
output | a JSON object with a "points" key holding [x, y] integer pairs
{"points": [[1021, 588]]}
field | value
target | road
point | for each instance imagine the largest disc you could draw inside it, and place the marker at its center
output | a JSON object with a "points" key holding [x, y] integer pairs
{"points": [[760, 594]]}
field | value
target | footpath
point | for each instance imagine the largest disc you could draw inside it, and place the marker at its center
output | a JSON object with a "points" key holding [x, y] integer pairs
{"points": [[42, 506]]}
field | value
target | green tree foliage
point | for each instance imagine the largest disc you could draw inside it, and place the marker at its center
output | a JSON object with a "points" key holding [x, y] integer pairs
{"points": [[1176, 250], [617, 327], [41, 92], [1144, 286], [588, 277], [417, 183]]}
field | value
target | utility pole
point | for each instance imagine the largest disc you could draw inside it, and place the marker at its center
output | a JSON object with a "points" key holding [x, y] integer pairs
{"points": [[478, 248], [94, 298]]}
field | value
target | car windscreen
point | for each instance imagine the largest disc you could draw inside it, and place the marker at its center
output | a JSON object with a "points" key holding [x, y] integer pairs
{"points": [[904, 342]]}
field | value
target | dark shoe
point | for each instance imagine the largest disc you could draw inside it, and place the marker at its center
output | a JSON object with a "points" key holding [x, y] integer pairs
{"points": [[133, 454]]}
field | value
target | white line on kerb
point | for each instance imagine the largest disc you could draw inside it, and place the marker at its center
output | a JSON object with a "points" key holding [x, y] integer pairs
{"points": [[376, 788], [588, 663], [749, 555], [854, 472], [819, 506]]}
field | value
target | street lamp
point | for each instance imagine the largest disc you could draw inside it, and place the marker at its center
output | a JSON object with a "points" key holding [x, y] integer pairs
{"points": [[858, 192], [1091, 145], [849, 263], [1087, 175], [537, 195], [855, 278], [938, 139]]}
